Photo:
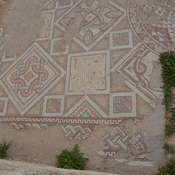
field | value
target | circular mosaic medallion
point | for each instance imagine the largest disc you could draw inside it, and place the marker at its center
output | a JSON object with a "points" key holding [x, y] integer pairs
{"points": [[153, 23]]}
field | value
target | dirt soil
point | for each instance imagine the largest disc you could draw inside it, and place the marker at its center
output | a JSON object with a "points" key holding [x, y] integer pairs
{"points": [[5, 6]]}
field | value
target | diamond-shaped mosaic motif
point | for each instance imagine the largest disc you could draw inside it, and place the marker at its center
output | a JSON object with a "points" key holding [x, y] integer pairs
{"points": [[97, 21], [28, 78]]}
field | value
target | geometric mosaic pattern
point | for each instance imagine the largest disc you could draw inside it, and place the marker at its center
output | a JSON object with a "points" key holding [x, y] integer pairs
{"points": [[122, 105], [29, 77], [88, 73], [121, 140], [103, 20], [121, 39], [47, 17], [78, 84], [77, 131], [157, 36], [136, 67], [58, 47], [53, 105]]}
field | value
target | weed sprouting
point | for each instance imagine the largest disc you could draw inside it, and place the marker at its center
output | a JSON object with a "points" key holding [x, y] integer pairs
{"points": [[4, 147], [71, 159]]}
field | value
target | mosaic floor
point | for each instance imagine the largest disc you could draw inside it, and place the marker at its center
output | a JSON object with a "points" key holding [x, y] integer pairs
{"points": [[93, 64]]}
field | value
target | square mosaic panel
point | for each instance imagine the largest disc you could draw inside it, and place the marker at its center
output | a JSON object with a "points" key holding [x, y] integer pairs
{"points": [[121, 39], [53, 105], [123, 104], [58, 47], [88, 73]]}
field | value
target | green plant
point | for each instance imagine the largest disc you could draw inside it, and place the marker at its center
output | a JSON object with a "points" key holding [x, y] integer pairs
{"points": [[167, 60], [169, 149], [4, 147], [169, 129], [71, 159], [169, 169]]}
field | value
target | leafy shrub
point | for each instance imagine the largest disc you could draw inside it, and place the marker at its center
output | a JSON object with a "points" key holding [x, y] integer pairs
{"points": [[169, 169], [71, 159], [4, 147]]}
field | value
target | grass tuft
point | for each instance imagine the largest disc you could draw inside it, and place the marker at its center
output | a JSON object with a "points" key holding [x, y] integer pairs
{"points": [[169, 129], [169, 169], [169, 149], [167, 60], [4, 147]]}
